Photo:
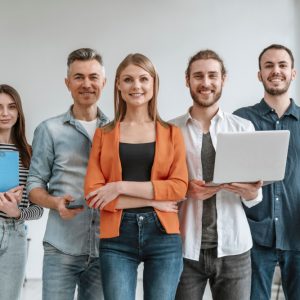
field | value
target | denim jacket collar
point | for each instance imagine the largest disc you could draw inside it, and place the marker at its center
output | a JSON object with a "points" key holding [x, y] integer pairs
{"points": [[292, 110]]}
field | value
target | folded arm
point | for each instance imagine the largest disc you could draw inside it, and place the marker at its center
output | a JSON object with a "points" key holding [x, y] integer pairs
{"points": [[105, 195], [125, 202], [112, 190]]}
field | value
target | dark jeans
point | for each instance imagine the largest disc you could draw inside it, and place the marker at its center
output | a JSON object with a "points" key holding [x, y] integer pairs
{"points": [[142, 238], [264, 260], [229, 276]]}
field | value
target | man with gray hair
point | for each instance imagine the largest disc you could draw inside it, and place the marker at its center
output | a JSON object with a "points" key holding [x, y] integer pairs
{"points": [[61, 147]]}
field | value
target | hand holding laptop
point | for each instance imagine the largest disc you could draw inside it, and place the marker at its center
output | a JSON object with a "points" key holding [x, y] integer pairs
{"points": [[248, 191], [250, 156], [198, 190]]}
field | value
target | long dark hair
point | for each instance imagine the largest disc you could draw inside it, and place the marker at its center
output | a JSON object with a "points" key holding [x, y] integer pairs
{"points": [[18, 130]]}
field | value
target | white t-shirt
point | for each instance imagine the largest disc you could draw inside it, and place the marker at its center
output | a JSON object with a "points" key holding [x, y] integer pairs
{"points": [[89, 126]]}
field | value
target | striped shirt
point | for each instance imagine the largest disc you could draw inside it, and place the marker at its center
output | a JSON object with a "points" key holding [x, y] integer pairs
{"points": [[29, 211]]}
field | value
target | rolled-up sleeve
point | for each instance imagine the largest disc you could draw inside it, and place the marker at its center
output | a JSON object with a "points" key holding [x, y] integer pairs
{"points": [[94, 178], [255, 201], [175, 187], [40, 169]]}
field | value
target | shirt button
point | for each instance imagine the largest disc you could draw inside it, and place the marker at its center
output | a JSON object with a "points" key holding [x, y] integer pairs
{"points": [[277, 122], [276, 198], [276, 219]]}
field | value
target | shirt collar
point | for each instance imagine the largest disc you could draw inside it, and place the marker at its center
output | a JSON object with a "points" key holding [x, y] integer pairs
{"points": [[187, 117], [293, 110], [69, 117]]}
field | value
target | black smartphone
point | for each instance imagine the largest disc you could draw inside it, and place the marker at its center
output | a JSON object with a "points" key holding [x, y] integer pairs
{"points": [[70, 205]]}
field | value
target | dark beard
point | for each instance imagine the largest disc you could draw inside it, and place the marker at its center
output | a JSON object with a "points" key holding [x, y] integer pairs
{"points": [[204, 103], [276, 91]]}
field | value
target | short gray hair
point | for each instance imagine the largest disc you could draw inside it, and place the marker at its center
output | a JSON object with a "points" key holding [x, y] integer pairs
{"points": [[84, 54]]}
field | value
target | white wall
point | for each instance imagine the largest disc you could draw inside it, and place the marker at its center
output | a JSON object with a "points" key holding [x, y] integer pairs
{"points": [[37, 36], [297, 42]]}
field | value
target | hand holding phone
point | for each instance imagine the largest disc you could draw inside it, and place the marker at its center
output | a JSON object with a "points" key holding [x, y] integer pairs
{"points": [[71, 205]]}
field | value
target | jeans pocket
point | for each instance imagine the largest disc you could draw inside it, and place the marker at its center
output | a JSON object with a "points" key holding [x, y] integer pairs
{"points": [[21, 230], [49, 249], [3, 238]]}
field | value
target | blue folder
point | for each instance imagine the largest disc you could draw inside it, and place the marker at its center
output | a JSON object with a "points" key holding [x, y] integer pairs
{"points": [[9, 170]]}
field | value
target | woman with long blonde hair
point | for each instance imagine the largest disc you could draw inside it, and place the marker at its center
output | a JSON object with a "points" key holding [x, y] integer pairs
{"points": [[136, 174]]}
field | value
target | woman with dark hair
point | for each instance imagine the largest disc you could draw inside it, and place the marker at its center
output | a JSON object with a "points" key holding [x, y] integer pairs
{"points": [[15, 207], [136, 173]]}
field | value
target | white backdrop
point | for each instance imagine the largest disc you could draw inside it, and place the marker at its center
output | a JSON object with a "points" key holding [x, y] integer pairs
{"points": [[37, 36]]}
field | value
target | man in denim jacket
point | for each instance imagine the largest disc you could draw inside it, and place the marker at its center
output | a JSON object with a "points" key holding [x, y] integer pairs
{"points": [[61, 147]]}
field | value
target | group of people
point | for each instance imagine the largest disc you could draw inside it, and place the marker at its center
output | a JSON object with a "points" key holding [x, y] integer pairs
{"points": [[143, 182]]}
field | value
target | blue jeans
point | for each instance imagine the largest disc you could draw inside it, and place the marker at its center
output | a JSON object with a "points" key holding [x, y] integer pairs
{"points": [[142, 239], [229, 276], [62, 272], [264, 260], [13, 255]]}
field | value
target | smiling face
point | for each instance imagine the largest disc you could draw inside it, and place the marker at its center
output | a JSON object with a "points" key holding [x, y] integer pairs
{"points": [[135, 85], [85, 81], [8, 112], [205, 82], [276, 71]]}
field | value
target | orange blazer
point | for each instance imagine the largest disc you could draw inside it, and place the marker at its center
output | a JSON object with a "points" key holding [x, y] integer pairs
{"points": [[169, 174]]}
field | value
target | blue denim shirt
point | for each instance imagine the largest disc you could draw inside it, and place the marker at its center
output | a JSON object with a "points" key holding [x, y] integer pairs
{"points": [[275, 222], [61, 148]]}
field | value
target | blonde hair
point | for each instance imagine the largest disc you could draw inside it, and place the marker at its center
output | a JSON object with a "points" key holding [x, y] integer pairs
{"points": [[143, 62]]}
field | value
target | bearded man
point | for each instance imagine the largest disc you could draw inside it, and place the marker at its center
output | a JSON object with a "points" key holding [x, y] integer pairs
{"points": [[215, 232], [275, 222]]}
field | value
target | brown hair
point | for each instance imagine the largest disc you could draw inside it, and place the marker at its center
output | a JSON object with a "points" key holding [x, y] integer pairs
{"points": [[143, 62], [276, 47], [18, 130], [205, 54]]}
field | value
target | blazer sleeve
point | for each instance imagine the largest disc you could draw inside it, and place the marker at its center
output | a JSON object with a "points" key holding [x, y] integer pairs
{"points": [[94, 178], [175, 186]]}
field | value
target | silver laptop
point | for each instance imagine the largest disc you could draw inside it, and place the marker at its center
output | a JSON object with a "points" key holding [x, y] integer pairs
{"points": [[251, 156]]}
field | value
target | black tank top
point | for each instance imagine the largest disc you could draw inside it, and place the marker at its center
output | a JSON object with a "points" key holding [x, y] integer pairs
{"points": [[137, 161]]}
